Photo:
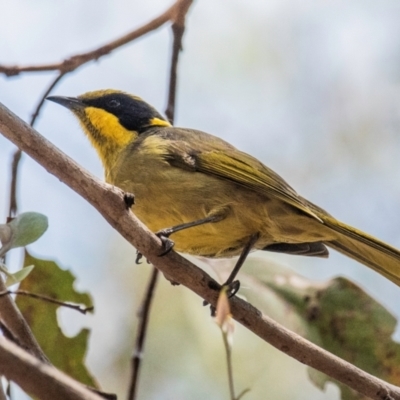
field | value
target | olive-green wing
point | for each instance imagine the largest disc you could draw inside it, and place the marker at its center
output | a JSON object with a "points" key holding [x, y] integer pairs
{"points": [[204, 153], [210, 155]]}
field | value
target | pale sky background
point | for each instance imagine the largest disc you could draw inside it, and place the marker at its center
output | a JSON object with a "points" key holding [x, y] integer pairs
{"points": [[311, 88]]}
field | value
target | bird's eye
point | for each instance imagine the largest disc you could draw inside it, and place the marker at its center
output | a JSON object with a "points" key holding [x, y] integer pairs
{"points": [[114, 103]]}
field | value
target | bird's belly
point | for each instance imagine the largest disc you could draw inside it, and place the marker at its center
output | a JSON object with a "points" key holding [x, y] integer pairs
{"points": [[167, 208], [166, 196], [169, 199]]}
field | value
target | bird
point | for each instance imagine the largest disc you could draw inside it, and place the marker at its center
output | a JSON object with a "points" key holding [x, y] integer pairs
{"points": [[213, 200]]}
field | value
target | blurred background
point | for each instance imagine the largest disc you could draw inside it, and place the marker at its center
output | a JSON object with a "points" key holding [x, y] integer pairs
{"points": [[311, 88]]}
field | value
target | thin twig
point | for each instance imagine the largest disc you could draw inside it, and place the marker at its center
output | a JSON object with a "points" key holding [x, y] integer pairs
{"points": [[228, 353], [178, 28], [77, 307], [76, 61], [13, 208], [39, 106], [178, 31], [143, 317]]}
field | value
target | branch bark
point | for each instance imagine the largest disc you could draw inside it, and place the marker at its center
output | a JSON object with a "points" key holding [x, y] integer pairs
{"points": [[38, 379], [109, 201], [143, 316], [15, 322]]}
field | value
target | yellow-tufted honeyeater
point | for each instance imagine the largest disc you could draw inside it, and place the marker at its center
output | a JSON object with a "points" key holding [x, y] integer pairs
{"points": [[223, 202]]}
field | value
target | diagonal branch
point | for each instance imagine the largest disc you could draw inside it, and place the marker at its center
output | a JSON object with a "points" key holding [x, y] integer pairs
{"points": [[39, 106], [109, 201], [74, 62], [13, 207], [41, 380], [12, 318]]}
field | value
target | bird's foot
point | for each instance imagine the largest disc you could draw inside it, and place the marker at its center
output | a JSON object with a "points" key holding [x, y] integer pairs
{"points": [[167, 243], [231, 289], [129, 200]]}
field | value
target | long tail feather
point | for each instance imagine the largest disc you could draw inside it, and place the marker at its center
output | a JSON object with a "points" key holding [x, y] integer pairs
{"points": [[366, 249]]}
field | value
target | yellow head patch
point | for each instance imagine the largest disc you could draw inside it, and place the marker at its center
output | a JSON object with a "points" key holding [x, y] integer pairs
{"points": [[109, 126], [106, 134]]}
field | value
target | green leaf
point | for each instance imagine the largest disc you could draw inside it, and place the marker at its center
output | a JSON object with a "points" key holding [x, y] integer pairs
{"points": [[65, 353], [21, 231], [340, 317], [17, 276]]}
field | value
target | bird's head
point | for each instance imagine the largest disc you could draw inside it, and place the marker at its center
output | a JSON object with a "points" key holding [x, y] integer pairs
{"points": [[111, 119]]}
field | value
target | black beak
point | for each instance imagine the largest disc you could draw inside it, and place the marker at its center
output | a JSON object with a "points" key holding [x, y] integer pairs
{"points": [[71, 103]]}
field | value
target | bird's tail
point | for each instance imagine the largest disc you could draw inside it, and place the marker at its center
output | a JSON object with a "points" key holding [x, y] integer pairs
{"points": [[364, 248]]}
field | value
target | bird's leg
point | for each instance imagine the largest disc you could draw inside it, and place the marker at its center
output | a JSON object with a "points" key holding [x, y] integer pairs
{"points": [[165, 233], [232, 285]]}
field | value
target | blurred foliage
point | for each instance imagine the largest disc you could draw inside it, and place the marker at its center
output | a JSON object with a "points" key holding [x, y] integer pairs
{"points": [[22, 230], [19, 232], [338, 316], [66, 353]]}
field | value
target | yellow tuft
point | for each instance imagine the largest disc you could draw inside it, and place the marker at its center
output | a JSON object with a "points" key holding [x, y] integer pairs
{"points": [[159, 122]]}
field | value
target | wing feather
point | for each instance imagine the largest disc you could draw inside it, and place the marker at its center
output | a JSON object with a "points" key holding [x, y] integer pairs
{"points": [[204, 153]]}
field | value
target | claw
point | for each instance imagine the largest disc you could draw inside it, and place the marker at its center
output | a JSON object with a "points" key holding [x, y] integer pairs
{"points": [[129, 200], [168, 244], [139, 256], [233, 288]]}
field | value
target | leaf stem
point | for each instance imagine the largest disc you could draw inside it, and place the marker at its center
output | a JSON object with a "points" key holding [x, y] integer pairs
{"points": [[228, 353]]}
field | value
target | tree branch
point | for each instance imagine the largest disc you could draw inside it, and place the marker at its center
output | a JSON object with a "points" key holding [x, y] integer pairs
{"points": [[143, 316], [109, 201], [178, 29], [17, 155], [38, 379], [15, 322], [74, 62], [39, 106], [77, 307]]}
